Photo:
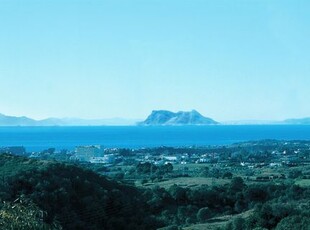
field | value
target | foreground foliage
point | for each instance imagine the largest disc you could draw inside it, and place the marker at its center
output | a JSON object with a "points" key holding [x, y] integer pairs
{"points": [[22, 214], [70, 197]]}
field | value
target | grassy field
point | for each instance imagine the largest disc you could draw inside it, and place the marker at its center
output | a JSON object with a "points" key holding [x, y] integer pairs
{"points": [[218, 222], [191, 166], [189, 182], [303, 182]]}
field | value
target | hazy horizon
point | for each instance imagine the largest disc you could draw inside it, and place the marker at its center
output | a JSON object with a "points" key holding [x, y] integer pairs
{"points": [[229, 60], [132, 121]]}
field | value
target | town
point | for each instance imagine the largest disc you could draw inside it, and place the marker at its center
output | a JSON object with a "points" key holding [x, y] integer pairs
{"points": [[255, 160], [196, 187]]}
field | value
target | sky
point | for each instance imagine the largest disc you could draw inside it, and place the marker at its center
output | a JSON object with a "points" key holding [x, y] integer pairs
{"points": [[230, 60]]}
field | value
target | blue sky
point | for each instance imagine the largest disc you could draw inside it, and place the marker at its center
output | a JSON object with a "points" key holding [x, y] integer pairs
{"points": [[230, 60]]}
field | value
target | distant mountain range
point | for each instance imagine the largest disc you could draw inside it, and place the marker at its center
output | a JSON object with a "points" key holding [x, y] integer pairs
{"points": [[26, 121], [164, 117], [157, 117], [301, 121]]}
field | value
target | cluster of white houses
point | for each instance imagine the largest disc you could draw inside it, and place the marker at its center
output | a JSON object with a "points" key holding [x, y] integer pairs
{"points": [[97, 154]]}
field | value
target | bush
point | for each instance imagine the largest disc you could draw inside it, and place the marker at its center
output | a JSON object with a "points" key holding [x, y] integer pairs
{"points": [[294, 222], [203, 214]]}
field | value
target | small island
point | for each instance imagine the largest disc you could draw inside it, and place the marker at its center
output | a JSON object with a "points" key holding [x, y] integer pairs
{"points": [[168, 118]]}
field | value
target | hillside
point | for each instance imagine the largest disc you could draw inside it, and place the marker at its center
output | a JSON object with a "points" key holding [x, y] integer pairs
{"points": [[164, 117], [71, 196], [16, 121]]}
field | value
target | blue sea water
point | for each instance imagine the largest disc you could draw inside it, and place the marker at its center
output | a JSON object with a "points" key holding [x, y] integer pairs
{"points": [[39, 138]]}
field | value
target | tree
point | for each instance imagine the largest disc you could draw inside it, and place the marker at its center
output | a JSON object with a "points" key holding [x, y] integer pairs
{"points": [[294, 222], [167, 168], [237, 184], [203, 214], [22, 214], [294, 174], [205, 172], [178, 194], [256, 193], [146, 168], [227, 175]]}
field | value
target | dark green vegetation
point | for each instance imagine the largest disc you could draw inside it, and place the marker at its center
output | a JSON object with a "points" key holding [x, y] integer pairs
{"points": [[74, 197], [221, 194]]}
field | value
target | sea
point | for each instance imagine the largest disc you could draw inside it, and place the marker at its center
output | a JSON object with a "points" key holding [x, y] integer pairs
{"points": [[40, 138]]}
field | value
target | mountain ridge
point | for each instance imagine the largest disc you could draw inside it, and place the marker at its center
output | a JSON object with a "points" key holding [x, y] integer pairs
{"points": [[26, 121], [298, 121]]}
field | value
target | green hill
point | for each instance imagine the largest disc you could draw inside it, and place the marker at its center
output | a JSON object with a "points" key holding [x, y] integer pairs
{"points": [[76, 198]]}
